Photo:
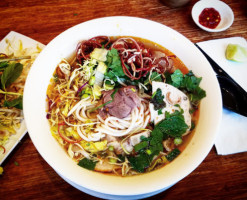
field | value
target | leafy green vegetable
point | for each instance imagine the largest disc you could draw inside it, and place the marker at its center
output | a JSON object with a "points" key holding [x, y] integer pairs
{"points": [[156, 139], [141, 146], [157, 100], [14, 103], [114, 65], [177, 78], [87, 163], [3, 65], [10, 74], [173, 154], [148, 148], [140, 162], [155, 76], [189, 83], [173, 125]]}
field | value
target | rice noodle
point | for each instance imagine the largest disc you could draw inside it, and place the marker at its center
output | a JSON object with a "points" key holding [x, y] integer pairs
{"points": [[137, 121]]}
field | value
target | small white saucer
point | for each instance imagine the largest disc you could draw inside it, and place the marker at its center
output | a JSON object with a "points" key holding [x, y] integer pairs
{"points": [[225, 11]]}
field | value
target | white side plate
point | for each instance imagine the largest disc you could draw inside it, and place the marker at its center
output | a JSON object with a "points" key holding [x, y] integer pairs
{"points": [[27, 43]]}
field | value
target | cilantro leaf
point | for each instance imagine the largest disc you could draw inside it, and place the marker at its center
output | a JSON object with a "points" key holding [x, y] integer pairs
{"points": [[177, 78], [189, 83], [87, 163], [114, 65]]}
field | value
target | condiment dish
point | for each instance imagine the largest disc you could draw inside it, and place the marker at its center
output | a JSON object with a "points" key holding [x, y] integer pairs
{"points": [[226, 14]]}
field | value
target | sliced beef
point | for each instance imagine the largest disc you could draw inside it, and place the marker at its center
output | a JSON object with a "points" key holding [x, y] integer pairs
{"points": [[124, 101]]}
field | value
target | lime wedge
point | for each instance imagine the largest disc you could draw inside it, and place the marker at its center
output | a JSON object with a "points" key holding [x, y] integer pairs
{"points": [[236, 52]]}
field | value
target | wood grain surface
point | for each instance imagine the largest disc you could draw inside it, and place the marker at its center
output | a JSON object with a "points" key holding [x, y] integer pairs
{"points": [[218, 177]]}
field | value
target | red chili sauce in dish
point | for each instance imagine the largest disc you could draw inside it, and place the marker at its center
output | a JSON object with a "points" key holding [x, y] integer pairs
{"points": [[209, 18]]}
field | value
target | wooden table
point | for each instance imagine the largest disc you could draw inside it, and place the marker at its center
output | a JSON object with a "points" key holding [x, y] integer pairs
{"points": [[218, 177]]}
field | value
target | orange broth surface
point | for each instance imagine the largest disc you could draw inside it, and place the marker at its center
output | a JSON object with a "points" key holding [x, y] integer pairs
{"points": [[178, 64]]}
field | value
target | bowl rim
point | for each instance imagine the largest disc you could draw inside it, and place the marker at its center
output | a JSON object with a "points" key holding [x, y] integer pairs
{"points": [[200, 5], [30, 115]]}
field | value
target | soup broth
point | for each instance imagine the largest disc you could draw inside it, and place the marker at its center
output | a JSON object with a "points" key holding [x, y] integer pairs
{"points": [[124, 105]]}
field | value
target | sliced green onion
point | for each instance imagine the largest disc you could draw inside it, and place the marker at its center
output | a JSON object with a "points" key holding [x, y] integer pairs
{"points": [[148, 151], [178, 141], [92, 80], [85, 96], [111, 148], [112, 160]]}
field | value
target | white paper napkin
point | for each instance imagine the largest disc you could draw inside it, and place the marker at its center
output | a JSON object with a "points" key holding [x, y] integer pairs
{"points": [[232, 136]]}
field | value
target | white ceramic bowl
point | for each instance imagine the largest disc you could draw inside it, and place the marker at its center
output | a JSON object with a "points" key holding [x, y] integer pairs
{"points": [[107, 186], [227, 16]]}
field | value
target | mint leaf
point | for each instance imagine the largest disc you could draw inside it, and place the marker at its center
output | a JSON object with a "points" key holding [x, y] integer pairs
{"points": [[10, 74], [140, 162], [17, 103], [197, 95], [173, 125], [87, 163], [3, 65]]}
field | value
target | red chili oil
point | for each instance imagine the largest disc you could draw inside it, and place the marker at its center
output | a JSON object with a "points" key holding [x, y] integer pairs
{"points": [[209, 18]]}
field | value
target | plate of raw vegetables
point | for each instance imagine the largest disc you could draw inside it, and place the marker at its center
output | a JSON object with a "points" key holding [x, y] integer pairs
{"points": [[17, 54]]}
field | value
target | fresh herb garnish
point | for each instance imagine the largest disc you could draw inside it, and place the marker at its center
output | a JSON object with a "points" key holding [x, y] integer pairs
{"points": [[102, 105], [173, 125], [3, 65], [114, 66], [140, 162], [158, 100], [160, 112], [155, 76], [17, 103], [173, 154], [87, 163], [189, 83], [141, 146], [177, 78], [10, 74]]}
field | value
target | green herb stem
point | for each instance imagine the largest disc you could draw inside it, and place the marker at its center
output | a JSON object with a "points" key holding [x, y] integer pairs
{"points": [[14, 58]]}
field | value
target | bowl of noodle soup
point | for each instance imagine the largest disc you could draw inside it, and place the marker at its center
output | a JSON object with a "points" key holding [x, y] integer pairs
{"points": [[103, 135]]}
